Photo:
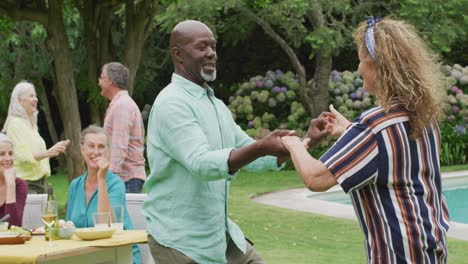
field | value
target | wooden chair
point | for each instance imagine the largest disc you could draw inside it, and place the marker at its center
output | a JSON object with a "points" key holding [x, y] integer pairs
{"points": [[134, 203], [33, 210]]}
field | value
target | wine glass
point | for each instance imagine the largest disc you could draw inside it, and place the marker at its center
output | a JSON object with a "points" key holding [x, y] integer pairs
{"points": [[49, 217]]}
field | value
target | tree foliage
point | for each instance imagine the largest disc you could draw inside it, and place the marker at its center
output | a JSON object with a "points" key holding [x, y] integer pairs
{"points": [[441, 22]]}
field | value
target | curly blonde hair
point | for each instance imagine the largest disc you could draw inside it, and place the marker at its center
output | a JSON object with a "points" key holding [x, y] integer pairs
{"points": [[407, 71]]}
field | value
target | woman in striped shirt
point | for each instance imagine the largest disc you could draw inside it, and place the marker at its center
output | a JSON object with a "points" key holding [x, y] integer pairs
{"points": [[387, 159]]}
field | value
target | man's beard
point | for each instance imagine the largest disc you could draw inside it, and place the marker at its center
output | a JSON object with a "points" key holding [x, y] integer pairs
{"points": [[208, 77]]}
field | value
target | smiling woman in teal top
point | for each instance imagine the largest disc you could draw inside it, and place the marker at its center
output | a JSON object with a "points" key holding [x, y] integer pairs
{"points": [[98, 189]]}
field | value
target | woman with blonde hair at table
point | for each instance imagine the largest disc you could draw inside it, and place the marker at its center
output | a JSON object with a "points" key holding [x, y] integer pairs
{"points": [[98, 189], [13, 190], [387, 159], [31, 155]]}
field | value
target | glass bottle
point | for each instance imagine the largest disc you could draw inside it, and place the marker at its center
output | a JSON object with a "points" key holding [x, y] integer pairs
{"points": [[50, 192]]}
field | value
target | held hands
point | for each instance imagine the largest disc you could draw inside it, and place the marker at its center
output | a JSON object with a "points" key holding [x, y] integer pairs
{"points": [[280, 142], [318, 129], [328, 123], [271, 144], [291, 142]]}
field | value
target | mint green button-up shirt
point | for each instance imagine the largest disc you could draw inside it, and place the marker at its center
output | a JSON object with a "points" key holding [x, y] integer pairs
{"points": [[190, 136]]}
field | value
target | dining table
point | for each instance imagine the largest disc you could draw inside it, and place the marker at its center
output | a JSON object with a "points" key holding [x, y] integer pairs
{"points": [[116, 249]]}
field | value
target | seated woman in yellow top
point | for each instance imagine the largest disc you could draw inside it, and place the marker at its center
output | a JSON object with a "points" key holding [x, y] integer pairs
{"points": [[31, 155]]}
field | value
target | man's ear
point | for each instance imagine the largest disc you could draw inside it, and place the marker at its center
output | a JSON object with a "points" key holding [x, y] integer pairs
{"points": [[177, 54]]}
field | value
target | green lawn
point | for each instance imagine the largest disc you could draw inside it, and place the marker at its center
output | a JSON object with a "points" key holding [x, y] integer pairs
{"points": [[288, 236], [454, 168]]}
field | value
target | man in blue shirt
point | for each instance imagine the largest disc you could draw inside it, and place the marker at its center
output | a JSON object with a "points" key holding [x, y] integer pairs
{"points": [[194, 150]]}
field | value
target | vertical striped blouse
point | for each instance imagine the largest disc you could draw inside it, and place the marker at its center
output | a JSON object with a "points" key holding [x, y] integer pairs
{"points": [[395, 185]]}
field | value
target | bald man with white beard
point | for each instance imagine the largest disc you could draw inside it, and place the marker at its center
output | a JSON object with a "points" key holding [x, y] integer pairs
{"points": [[195, 148]]}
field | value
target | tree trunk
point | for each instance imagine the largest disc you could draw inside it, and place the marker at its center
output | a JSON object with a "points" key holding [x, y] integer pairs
{"points": [[138, 17], [64, 85], [105, 36], [89, 20], [323, 63], [91, 48], [41, 93], [321, 96]]}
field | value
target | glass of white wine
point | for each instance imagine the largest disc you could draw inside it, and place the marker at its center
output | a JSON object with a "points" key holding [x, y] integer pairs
{"points": [[49, 217]]}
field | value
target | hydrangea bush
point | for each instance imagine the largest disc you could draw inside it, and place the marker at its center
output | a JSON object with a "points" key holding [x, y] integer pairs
{"points": [[265, 103], [456, 103], [454, 141], [268, 102]]}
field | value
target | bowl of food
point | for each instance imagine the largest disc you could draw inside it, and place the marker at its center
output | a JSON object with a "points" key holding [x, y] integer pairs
{"points": [[66, 232], [15, 235], [66, 229]]}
